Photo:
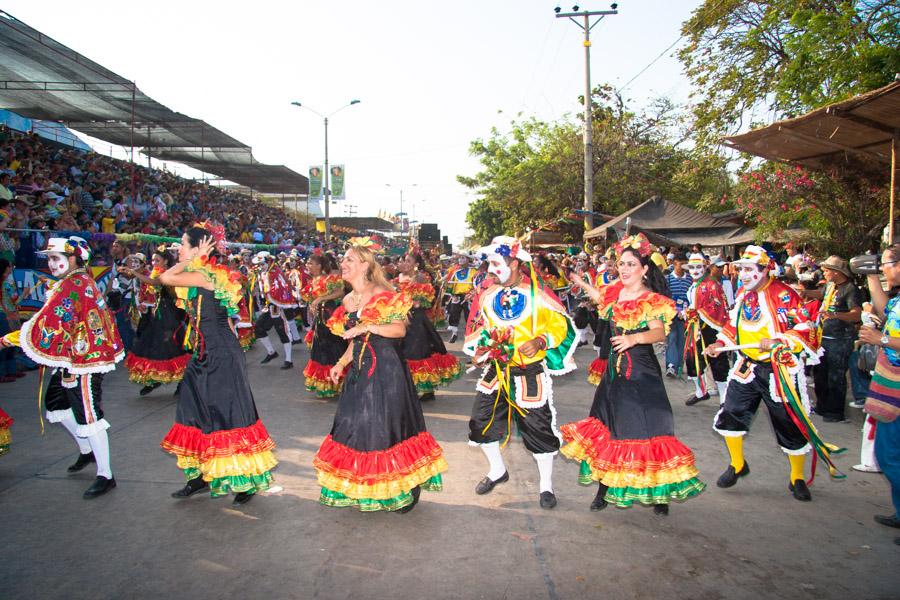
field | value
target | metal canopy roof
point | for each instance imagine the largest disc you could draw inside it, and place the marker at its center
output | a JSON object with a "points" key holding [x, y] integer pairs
{"points": [[861, 127], [43, 79]]}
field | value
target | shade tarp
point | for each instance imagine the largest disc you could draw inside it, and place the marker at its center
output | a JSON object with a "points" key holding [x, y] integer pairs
{"points": [[679, 224], [41, 78], [860, 127]]}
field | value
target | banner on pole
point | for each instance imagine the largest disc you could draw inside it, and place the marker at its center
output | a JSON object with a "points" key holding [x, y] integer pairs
{"points": [[337, 182], [315, 182]]}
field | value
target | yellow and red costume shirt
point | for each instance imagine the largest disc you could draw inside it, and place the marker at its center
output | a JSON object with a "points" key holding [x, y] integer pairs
{"points": [[460, 280], [420, 294], [322, 285], [529, 314], [706, 300], [148, 293], [773, 311], [276, 289], [74, 329], [635, 314], [382, 309]]}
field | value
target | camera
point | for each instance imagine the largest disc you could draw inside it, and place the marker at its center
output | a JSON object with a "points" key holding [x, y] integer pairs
{"points": [[865, 264]]}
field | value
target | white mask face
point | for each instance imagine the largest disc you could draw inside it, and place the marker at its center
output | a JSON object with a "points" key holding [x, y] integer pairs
{"points": [[696, 271], [58, 263], [751, 276], [499, 269]]}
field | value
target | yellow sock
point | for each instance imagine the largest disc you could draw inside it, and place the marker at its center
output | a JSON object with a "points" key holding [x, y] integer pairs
{"points": [[797, 463], [736, 451]]}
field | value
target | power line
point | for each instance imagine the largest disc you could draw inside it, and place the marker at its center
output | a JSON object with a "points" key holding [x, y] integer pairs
{"points": [[652, 62]]}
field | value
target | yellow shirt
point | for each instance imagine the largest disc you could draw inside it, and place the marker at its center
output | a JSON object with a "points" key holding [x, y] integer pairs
{"points": [[501, 307], [460, 280]]}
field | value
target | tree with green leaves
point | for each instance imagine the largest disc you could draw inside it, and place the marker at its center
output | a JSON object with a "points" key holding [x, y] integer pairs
{"points": [[532, 175], [784, 57]]}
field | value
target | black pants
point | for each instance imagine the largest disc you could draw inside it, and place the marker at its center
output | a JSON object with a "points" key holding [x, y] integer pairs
{"points": [[718, 365], [455, 311], [84, 398], [266, 321], [830, 377], [585, 317], [742, 402], [537, 426]]}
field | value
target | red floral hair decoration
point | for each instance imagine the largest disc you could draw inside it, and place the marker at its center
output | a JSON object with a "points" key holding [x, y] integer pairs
{"points": [[637, 242], [217, 232]]}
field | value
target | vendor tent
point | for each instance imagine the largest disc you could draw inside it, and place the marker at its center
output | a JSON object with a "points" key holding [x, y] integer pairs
{"points": [[676, 224]]}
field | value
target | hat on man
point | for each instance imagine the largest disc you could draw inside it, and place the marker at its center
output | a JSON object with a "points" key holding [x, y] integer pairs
{"points": [[696, 259], [836, 263], [260, 257], [754, 255], [70, 246], [504, 245]]}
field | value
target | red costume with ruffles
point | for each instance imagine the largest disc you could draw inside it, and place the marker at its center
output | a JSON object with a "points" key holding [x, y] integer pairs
{"points": [[601, 338], [379, 453], [325, 348], [5, 436], [277, 289], [429, 362]]}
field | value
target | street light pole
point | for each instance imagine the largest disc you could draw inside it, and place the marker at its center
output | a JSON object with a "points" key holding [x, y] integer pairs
{"points": [[401, 214], [588, 116], [326, 193]]}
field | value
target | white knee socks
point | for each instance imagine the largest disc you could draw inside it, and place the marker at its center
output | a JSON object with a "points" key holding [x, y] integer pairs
{"points": [[69, 423], [295, 333], [722, 386], [495, 460], [270, 349], [698, 392], [287, 351], [545, 468], [99, 443]]}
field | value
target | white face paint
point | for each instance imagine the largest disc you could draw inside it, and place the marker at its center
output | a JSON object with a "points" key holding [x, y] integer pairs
{"points": [[696, 271], [462, 261], [499, 269], [58, 263], [751, 276]]}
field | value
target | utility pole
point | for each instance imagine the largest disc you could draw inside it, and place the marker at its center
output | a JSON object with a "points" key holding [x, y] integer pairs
{"points": [[588, 117]]}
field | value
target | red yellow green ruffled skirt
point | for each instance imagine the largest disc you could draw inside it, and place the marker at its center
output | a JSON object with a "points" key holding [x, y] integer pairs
{"points": [[596, 370], [147, 371], [5, 436], [318, 381], [434, 371], [246, 337], [235, 460], [652, 471], [379, 480]]}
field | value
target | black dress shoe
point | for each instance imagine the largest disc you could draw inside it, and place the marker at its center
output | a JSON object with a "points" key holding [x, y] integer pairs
{"points": [[887, 521], [729, 477], [268, 358], [191, 487], [426, 397], [599, 504], [487, 484], [99, 487], [149, 388], [548, 500], [694, 399], [83, 461], [800, 491], [415, 492], [242, 498], [287, 365], [661, 509], [453, 338]]}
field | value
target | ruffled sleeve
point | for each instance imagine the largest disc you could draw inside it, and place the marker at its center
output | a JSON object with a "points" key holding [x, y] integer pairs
{"points": [[423, 293], [609, 295], [658, 307], [386, 307], [226, 282], [337, 323]]}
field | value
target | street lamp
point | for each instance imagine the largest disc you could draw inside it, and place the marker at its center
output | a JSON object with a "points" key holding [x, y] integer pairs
{"points": [[401, 214], [326, 192]]}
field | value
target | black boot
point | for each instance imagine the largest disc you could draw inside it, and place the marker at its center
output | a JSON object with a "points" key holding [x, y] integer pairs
{"points": [[800, 491], [600, 502], [661, 509], [149, 388], [83, 461], [100, 486], [242, 498], [415, 492], [191, 487]]}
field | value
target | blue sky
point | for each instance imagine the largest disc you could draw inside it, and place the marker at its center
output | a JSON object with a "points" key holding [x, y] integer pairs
{"points": [[431, 77]]}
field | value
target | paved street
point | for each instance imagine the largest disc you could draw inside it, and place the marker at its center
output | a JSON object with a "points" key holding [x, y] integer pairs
{"points": [[751, 541]]}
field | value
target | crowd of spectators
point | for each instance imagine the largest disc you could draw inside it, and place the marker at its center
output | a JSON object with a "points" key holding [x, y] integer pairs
{"points": [[48, 187]]}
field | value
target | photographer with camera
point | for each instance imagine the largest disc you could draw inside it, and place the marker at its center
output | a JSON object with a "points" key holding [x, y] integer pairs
{"points": [[883, 401]]}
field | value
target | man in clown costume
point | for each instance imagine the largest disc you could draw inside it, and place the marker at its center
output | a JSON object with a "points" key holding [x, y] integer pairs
{"points": [[276, 307], [705, 317], [767, 313], [459, 282], [74, 336], [522, 335]]}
